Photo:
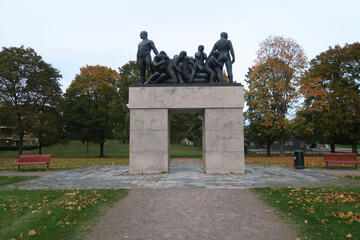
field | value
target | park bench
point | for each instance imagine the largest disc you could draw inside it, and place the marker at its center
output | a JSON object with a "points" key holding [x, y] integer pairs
{"points": [[33, 160], [341, 158]]}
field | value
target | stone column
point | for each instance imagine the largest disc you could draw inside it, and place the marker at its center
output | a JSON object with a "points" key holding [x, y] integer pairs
{"points": [[224, 140], [149, 141]]}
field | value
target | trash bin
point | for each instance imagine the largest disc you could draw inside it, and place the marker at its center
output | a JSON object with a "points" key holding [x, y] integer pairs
{"points": [[299, 159]]}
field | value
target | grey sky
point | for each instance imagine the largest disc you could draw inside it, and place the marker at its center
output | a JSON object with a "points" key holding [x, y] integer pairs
{"points": [[70, 34]]}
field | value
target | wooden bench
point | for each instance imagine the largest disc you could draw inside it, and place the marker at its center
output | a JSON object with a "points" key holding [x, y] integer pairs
{"points": [[341, 158], [33, 160]]}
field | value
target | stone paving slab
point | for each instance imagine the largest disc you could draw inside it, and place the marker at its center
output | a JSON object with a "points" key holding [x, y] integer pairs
{"points": [[181, 176]]}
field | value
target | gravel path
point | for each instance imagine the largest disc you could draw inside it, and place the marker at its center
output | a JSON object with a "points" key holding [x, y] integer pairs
{"points": [[191, 214]]}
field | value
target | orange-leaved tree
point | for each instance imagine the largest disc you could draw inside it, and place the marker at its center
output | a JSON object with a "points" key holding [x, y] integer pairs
{"points": [[331, 89], [273, 85], [89, 102]]}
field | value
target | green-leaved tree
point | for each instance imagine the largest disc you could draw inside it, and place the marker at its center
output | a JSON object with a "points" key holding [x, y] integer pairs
{"points": [[89, 103]]}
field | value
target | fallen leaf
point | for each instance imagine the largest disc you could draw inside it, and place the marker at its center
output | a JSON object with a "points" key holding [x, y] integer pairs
{"points": [[32, 233], [49, 212], [349, 235]]}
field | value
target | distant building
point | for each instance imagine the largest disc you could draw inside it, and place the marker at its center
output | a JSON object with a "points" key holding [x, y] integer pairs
{"points": [[7, 137], [291, 144]]}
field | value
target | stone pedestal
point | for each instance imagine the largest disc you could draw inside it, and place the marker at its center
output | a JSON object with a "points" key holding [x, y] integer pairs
{"points": [[223, 138]]}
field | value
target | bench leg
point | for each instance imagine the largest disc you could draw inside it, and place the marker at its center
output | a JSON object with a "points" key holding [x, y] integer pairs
{"points": [[18, 167], [47, 166], [355, 166], [326, 165]]}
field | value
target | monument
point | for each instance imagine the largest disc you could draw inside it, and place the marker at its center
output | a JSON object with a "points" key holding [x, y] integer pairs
{"points": [[186, 84]]}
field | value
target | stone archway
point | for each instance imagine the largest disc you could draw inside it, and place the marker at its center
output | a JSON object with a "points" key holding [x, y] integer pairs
{"points": [[223, 134]]}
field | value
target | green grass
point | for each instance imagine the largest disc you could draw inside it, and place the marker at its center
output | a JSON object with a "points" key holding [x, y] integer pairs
{"points": [[112, 149], [76, 149], [318, 213], [354, 177], [347, 146], [14, 179], [184, 151], [50, 214]]}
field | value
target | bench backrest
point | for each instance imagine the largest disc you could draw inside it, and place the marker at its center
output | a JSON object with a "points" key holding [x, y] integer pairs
{"points": [[35, 158], [340, 156]]}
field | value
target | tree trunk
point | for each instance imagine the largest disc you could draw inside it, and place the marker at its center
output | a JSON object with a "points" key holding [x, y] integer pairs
{"points": [[354, 148], [40, 146], [87, 148], [101, 149], [268, 150], [282, 145], [40, 149], [332, 146], [21, 143]]}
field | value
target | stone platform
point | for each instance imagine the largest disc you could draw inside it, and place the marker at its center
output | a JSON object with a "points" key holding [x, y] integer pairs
{"points": [[182, 176], [223, 133]]}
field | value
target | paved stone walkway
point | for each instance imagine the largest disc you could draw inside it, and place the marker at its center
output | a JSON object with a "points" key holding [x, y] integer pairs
{"points": [[181, 176]]}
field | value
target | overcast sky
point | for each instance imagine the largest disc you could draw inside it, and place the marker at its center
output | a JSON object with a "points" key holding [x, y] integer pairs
{"points": [[70, 34]]}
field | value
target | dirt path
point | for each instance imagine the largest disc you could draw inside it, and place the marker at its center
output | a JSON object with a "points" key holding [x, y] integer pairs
{"points": [[191, 214]]}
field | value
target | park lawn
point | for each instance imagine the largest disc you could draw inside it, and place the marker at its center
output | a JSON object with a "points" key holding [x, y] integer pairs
{"points": [[317, 213], [14, 179], [63, 163], [77, 149], [354, 177], [112, 149], [310, 162], [71, 163], [185, 151], [53, 214]]}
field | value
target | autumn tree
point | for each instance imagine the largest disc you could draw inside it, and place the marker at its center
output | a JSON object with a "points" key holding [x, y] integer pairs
{"points": [[29, 87], [272, 93], [331, 89], [93, 91]]}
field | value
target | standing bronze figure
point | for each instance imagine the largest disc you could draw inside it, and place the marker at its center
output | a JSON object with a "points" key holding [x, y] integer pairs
{"points": [[143, 58], [224, 46]]}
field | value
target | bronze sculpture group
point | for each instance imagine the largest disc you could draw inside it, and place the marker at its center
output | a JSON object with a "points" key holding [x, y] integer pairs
{"points": [[182, 68]]}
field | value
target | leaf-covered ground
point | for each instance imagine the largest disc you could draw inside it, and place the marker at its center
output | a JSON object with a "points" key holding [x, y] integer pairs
{"points": [[63, 163], [310, 162], [14, 179], [51, 214], [71, 163], [318, 213]]}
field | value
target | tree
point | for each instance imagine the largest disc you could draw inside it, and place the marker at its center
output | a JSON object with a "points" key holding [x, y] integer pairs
{"points": [[185, 125], [331, 89], [92, 91], [130, 74], [46, 96], [28, 88], [272, 93], [80, 121]]}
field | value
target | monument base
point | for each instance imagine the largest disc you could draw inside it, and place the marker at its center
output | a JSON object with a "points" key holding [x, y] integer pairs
{"points": [[223, 133]]}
